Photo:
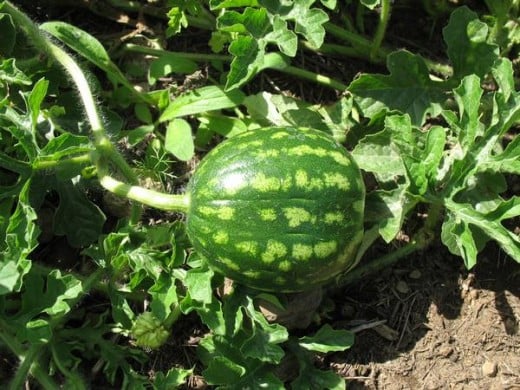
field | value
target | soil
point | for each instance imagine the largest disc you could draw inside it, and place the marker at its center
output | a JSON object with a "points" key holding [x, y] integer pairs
{"points": [[444, 327]]}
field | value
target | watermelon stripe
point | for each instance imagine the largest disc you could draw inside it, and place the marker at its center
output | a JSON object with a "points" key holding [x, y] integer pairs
{"points": [[277, 209]]}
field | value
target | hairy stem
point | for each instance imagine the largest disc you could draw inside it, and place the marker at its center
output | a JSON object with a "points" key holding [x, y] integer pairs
{"points": [[83, 159], [159, 200]]}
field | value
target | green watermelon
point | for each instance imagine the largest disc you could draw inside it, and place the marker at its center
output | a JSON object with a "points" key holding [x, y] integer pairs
{"points": [[277, 209]]}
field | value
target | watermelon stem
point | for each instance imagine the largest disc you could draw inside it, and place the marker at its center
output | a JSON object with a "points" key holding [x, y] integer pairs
{"points": [[421, 240], [158, 200]]}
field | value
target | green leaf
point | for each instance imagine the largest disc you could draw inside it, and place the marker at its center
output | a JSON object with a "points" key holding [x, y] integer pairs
{"points": [[370, 4], [48, 294], [221, 370], [201, 100], [433, 152], [308, 21], [468, 96], [503, 73], [458, 238], [388, 209], [174, 378], [148, 331], [35, 99], [11, 74], [465, 215], [38, 331], [8, 40], [407, 89], [468, 49], [221, 124], [328, 339], [248, 58], [177, 20], [20, 240], [164, 296], [219, 4], [507, 161], [261, 346], [253, 21], [87, 46], [168, 64], [76, 216], [198, 283], [286, 40], [378, 153], [311, 379], [179, 140], [81, 42]]}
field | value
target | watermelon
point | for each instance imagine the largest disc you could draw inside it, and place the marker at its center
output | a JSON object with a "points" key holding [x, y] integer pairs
{"points": [[277, 209]]}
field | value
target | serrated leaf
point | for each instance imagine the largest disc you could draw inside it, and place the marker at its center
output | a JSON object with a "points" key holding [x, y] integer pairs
{"points": [[388, 209], [10, 73], [309, 21], [457, 236], [468, 49], [173, 378], [407, 89], [179, 139], [433, 151], [48, 294], [20, 240], [507, 161], [503, 73], [489, 223], [261, 346], [468, 96], [223, 371], [286, 40], [378, 154], [164, 296], [177, 20], [253, 21], [35, 99], [328, 339], [248, 58], [200, 100], [198, 282], [76, 216]]}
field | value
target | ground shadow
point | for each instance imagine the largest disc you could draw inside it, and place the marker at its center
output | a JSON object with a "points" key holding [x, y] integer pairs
{"points": [[406, 295]]}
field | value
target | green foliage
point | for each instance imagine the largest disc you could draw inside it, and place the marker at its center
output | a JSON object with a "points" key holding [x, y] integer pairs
{"points": [[435, 137]]}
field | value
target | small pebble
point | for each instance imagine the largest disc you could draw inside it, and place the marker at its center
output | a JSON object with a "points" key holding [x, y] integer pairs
{"points": [[473, 294], [348, 311], [445, 351], [489, 369], [402, 287], [415, 274]]}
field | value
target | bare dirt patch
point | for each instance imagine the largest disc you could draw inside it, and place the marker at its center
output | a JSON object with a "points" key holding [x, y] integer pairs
{"points": [[450, 329]]}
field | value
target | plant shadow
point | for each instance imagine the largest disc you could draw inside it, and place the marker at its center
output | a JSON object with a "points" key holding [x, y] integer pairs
{"points": [[423, 300]]}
